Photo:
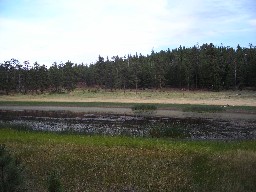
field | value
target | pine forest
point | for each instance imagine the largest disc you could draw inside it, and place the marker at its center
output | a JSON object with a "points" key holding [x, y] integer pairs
{"points": [[206, 67]]}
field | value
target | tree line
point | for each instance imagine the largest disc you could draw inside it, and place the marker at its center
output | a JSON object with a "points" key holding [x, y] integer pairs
{"points": [[198, 67]]}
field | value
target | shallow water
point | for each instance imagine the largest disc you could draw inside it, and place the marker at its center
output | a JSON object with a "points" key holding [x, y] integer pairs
{"points": [[185, 128]]}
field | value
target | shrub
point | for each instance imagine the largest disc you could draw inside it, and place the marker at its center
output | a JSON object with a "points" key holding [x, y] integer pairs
{"points": [[144, 109], [10, 177], [174, 131], [19, 127], [54, 184]]}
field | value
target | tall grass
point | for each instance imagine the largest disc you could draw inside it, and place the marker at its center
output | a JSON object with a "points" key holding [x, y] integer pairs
{"points": [[100, 163]]}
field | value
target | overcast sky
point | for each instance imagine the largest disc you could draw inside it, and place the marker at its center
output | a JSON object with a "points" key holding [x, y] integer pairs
{"points": [[80, 30]]}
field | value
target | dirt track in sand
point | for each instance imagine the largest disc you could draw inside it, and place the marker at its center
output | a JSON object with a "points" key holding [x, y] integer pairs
{"points": [[128, 111], [216, 101]]}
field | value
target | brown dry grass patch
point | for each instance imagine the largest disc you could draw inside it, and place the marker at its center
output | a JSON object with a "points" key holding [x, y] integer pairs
{"points": [[236, 98]]}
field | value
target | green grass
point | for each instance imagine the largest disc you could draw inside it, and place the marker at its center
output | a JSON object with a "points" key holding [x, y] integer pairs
{"points": [[204, 108], [100, 163], [144, 107]]}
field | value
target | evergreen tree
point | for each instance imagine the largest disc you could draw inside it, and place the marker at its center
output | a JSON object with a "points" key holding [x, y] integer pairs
{"points": [[204, 67], [69, 78], [56, 77]]}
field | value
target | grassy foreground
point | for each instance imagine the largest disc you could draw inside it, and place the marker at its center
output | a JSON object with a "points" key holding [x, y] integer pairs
{"points": [[98, 163]]}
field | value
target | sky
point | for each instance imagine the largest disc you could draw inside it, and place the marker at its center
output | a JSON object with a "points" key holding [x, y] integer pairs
{"points": [[50, 31]]}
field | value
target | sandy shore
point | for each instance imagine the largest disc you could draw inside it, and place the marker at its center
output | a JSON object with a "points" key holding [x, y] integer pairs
{"points": [[128, 111]]}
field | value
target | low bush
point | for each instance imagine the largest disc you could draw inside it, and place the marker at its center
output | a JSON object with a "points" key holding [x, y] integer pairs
{"points": [[19, 127], [54, 184], [174, 131], [10, 178], [144, 109]]}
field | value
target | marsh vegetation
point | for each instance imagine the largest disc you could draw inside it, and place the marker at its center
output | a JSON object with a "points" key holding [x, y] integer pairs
{"points": [[77, 151], [103, 163], [139, 125]]}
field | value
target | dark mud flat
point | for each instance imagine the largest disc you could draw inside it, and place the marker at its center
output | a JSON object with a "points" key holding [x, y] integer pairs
{"points": [[128, 125]]}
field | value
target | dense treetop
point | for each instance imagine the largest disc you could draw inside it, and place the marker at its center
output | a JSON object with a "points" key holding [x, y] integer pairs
{"points": [[198, 67]]}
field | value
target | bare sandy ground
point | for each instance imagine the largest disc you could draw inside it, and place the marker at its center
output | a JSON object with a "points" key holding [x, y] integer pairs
{"points": [[128, 111], [237, 102], [216, 101], [232, 98], [236, 98]]}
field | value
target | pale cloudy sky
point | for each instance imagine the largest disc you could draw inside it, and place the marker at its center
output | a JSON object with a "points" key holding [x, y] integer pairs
{"points": [[80, 30]]}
